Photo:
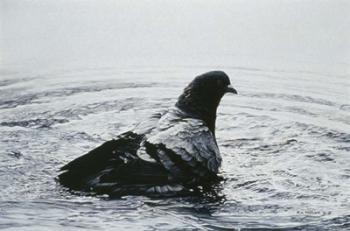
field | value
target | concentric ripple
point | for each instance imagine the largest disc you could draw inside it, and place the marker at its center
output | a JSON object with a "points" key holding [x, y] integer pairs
{"points": [[284, 139]]}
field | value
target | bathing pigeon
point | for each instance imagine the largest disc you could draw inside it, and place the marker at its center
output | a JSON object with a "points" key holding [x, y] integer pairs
{"points": [[172, 153]]}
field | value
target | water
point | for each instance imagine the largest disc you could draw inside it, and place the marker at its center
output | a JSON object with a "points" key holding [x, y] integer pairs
{"points": [[284, 139], [285, 149]]}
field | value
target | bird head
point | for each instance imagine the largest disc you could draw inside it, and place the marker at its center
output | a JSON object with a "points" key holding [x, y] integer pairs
{"points": [[202, 96]]}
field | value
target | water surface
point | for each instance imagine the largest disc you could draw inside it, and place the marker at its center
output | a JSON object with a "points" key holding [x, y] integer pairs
{"points": [[285, 147]]}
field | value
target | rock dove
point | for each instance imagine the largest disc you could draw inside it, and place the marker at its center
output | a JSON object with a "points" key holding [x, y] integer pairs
{"points": [[171, 153]]}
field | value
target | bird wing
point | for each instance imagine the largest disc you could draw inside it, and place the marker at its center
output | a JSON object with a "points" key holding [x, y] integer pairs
{"points": [[126, 143], [114, 160], [114, 168], [185, 147], [111, 153]]}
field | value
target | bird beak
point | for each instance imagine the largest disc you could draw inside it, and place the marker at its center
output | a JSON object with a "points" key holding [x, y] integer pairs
{"points": [[229, 88]]}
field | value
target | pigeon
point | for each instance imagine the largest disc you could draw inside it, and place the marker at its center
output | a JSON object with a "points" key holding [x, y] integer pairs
{"points": [[174, 152]]}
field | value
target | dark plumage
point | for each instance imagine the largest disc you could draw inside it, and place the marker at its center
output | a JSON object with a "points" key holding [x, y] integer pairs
{"points": [[172, 153]]}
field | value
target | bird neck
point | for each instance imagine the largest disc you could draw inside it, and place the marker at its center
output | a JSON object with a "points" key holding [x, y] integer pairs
{"points": [[199, 107]]}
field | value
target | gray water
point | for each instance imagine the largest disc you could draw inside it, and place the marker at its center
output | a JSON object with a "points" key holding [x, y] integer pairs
{"points": [[284, 139]]}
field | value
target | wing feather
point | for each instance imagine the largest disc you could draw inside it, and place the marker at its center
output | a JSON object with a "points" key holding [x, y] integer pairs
{"points": [[186, 147]]}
